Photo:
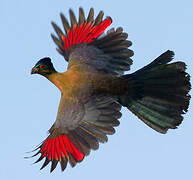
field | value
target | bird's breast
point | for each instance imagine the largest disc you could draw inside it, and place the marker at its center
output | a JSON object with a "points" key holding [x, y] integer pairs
{"points": [[72, 83]]}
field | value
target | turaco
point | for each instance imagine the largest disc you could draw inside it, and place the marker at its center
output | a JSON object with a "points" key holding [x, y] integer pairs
{"points": [[94, 88]]}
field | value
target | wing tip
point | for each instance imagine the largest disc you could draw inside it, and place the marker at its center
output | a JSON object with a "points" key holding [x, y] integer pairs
{"points": [[108, 17], [55, 150]]}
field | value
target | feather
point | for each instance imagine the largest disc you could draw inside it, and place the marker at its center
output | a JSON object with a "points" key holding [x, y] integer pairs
{"points": [[65, 23], [99, 18], [85, 146], [81, 16], [88, 32], [59, 149], [63, 163], [58, 42], [90, 139], [90, 15], [161, 94], [100, 136], [72, 18], [57, 30], [54, 164], [45, 163]]}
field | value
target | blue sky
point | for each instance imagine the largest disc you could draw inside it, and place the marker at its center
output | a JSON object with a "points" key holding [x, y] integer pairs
{"points": [[29, 103]]}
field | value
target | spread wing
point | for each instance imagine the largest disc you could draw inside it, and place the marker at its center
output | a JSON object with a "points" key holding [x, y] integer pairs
{"points": [[78, 129], [85, 36]]}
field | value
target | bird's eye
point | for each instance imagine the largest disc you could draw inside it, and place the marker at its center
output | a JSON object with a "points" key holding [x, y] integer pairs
{"points": [[42, 66]]}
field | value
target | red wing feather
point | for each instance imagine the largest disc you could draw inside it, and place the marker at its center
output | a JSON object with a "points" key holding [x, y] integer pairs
{"points": [[59, 148], [84, 33]]}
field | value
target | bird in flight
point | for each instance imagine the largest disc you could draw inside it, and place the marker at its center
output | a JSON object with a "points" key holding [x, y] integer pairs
{"points": [[94, 88]]}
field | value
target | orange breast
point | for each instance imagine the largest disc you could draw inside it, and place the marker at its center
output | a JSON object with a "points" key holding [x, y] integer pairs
{"points": [[71, 82]]}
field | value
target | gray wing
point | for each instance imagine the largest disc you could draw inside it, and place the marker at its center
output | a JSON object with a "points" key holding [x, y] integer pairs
{"points": [[78, 129], [91, 57], [88, 123]]}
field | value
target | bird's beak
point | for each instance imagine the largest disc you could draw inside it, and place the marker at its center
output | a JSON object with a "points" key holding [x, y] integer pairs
{"points": [[34, 70]]}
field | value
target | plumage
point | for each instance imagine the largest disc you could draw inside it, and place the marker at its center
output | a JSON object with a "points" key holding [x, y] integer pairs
{"points": [[72, 18], [94, 88], [99, 18], [81, 16], [90, 17], [65, 23]]}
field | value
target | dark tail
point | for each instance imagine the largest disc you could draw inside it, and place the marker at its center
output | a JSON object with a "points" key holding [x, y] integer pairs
{"points": [[160, 93]]}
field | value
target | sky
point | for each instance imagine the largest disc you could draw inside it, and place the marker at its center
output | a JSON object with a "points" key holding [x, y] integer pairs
{"points": [[29, 103]]}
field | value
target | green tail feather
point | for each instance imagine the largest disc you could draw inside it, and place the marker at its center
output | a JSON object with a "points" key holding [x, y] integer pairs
{"points": [[160, 93]]}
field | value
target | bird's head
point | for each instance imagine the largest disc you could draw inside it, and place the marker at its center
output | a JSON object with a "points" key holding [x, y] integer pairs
{"points": [[44, 67]]}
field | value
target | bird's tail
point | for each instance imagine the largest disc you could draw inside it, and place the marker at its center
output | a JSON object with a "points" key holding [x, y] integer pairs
{"points": [[160, 93]]}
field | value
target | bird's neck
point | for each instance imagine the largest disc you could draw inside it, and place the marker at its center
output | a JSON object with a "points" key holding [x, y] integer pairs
{"points": [[55, 78]]}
